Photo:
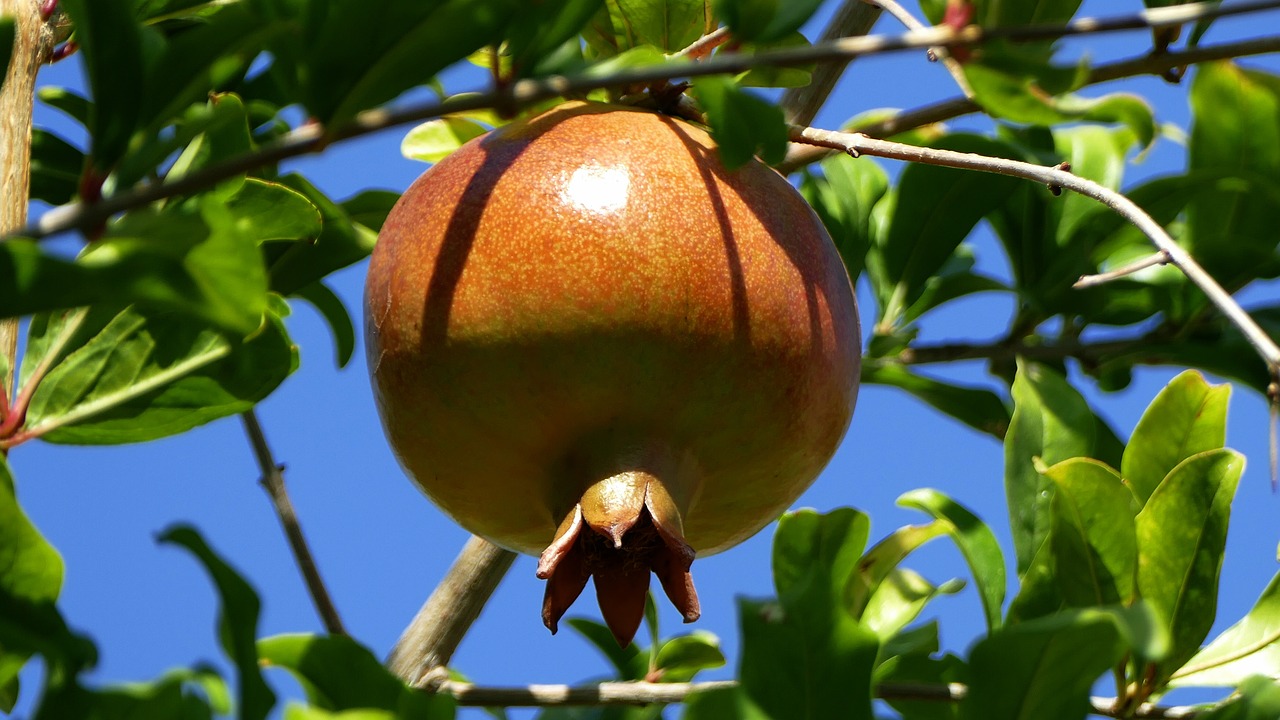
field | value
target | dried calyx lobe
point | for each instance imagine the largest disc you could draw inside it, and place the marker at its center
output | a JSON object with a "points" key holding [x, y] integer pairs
{"points": [[624, 527]]}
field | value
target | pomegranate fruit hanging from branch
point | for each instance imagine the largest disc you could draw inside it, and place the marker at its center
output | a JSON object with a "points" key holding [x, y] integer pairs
{"points": [[592, 342]]}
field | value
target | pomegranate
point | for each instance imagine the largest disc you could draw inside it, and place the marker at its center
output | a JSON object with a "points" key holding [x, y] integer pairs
{"points": [[590, 341]]}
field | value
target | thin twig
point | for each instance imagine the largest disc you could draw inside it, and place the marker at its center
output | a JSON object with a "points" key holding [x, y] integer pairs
{"points": [[273, 482], [435, 632], [1086, 281], [312, 138], [856, 144], [905, 17], [854, 18], [703, 46], [800, 155], [644, 693]]}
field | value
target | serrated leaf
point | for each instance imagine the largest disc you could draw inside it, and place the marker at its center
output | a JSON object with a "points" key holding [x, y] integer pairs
{"points": [[1182, 534], [1188, 417], [741, 123], [1051, 422], [976, 542], [435, 140], [136, 376], [978, 408], [1041, 669], [1250, 647], [1092, 534], [237, 621]]}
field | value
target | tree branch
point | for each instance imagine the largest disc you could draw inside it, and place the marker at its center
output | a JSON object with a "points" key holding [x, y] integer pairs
{"points": [[435, 632], [273, 482], [854, 18], [312, 138], [1160, 258], [856, 144], [935, 53], [799, 155], [643, 693]]}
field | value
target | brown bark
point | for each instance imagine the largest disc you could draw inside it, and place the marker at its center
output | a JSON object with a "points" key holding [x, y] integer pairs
{"points": [[32, 42]]}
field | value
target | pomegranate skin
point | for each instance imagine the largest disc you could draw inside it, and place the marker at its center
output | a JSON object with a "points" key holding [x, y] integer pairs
{"points": [[590, 293]]}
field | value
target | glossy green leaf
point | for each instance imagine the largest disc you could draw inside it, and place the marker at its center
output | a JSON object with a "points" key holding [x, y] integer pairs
{"points": [[681, 658], [880, 561], [55, 168], [899, 599], [1250, 647], [805, 656], [237, 622], [670, 25], [978, 408], [344, 237], [1182, 534], [340, 674], [976, 542], [335, 315], [134, 376], [1092, 533], [435, 140], [741, 123], [629, 662], [30, 571], [110, 42], [1188, 417], [764, 20], [844, 197], [1041, 669], [192, 133], [1258, 699], [353, 59], [1236, 128], [295, 711], [1051, 422], [937, 208], [1039, 592]]}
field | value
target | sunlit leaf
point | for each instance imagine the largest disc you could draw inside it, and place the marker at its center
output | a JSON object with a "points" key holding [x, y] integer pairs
{"points": [[882, 559], [1250, 647], [1182, 534], [1092, 533], [978, 408], [670, 25], [976, 542], [436, 139], [899, 599], [1189, 416], [680, 659], [1258, 699]]}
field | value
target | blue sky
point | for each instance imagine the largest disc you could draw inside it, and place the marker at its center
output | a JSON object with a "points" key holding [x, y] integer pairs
{"points": [[382, 546]]}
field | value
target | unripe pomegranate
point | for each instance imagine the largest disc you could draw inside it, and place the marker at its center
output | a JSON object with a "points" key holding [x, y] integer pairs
{"points": [[591, 341]]}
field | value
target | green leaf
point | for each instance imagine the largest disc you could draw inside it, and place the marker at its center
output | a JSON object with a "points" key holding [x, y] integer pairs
{"points": [[55, 168], [629, 661], [721, 703], [537, 30], [136, 376], [435, 140], [1250, 647], [921, 669], [976, 542], [354, 59], [1041, 669], [1092, 534], [335, 315], [681, 658], [764, 20], [880, 561], [1051, 422], [72, 104], [936, 209], [1182, 534], [778, 77], [978, 408], [670, 25], [340, 674], [805, 656], [111, 43], [844, 197], [1258, 699], [237, 621], [30, 571], [1236, 128], [344, 238], [742, 123], [899, 599], [953, 280], [1188, 417]]}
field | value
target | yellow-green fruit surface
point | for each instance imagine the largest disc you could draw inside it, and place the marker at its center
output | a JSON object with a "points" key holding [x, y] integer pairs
{"points": [[590, 292]]}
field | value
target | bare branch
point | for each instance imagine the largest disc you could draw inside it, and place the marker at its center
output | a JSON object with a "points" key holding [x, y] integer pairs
{"points": [[643, 693], [435, 632], [312, 138], [935, 53], [799, 155], [704, 45], [856, 144], [273, 482], [854, 18], [1160, 258]]}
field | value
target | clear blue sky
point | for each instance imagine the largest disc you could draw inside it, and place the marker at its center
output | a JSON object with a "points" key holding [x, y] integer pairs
{"points": [[382, 546]]}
